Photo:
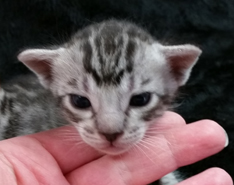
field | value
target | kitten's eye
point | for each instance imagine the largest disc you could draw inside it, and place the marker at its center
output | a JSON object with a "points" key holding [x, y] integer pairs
{"points": [[140, 99], [80, 102]]}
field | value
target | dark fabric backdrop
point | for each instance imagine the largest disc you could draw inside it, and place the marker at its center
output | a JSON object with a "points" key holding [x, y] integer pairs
{"points": [[209, 24]]}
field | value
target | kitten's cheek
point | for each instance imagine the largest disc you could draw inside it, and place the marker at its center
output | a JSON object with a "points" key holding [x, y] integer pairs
{"points": [[93, 139]]}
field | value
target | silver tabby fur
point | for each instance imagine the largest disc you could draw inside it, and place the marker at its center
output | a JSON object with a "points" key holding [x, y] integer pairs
{"points": [[26, 107], [107, 63]]}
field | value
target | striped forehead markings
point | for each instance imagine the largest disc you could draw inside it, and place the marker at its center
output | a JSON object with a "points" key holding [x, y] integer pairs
{"points": [[112, 45], [110, 69]]}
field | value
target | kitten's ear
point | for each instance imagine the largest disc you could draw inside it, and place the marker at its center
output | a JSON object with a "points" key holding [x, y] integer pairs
{"points": [[181, 59], [40, 61]]}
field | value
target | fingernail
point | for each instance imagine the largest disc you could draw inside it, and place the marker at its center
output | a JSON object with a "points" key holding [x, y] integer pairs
{"points": [[227, 139]]}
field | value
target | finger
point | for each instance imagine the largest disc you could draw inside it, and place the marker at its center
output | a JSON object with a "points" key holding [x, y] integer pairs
{"points": [[181, 146], [168, 120], [25, 157], [71, 155], [212, 176]]}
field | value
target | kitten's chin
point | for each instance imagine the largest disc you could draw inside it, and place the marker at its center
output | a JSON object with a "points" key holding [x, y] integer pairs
{"points": [[113, 150]]}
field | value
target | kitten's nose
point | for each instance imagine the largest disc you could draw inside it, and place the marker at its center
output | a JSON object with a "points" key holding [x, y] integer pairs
{"points": [[112, 136]]}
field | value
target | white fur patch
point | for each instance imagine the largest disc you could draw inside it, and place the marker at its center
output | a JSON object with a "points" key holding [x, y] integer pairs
{"points": [[170, 179]]}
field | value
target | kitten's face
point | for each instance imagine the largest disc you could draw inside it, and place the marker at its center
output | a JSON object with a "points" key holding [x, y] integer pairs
{"points": [[112, 81], [110, 116]]}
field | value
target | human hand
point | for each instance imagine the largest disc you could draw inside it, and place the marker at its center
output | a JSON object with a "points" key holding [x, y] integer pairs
{"points": [[59, 157]]}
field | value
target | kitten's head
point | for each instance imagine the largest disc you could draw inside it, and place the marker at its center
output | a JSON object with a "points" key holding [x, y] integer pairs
{"points": [[112, 79]]}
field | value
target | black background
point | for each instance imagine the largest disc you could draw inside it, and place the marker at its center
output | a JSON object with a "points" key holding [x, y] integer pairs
{"points": [[208, 24]]}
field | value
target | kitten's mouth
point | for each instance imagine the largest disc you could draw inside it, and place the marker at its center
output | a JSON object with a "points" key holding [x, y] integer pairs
{"points": [[113, 150]]}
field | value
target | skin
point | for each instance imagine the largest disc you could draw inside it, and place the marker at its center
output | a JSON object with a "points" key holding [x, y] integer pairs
{"points": [[59, 157]]}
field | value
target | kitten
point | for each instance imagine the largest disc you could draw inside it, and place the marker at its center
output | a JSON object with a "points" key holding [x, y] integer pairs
{"points": [[110, 81]]}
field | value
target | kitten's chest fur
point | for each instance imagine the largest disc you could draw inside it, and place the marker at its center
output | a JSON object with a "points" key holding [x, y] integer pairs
{"points": [[26, 107]]}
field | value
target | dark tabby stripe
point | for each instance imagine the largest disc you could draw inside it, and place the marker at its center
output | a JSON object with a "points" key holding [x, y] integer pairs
{"points": [[11, 130], [87, 48], [130, 50], [6, 105], [158, 109], [70, 115], [109, 44], [98, 46]]}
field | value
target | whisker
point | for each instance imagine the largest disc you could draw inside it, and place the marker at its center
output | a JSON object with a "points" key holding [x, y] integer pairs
{"points": [[154, 138], [156, 142], [156, 129], [145, 152]]}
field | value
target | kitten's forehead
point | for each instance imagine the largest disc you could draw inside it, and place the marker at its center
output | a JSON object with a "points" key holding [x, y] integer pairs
{"points": [[111, 30], [109, 50]]}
